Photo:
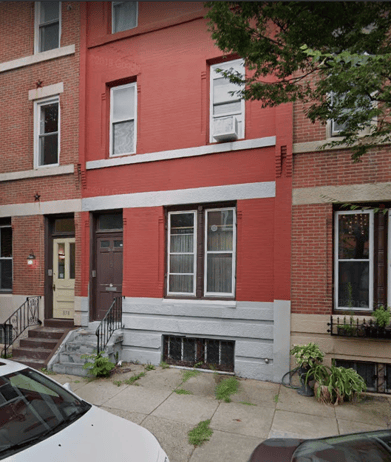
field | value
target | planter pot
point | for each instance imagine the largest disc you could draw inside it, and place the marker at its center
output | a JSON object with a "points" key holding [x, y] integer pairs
{"points": [[305, 388]]}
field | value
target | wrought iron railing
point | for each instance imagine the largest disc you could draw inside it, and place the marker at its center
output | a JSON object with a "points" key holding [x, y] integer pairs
{"points": [[109, 324], [25, 316], [355, 327]]}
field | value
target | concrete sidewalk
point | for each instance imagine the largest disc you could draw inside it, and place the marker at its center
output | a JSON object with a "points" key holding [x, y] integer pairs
{"points": [[258, 411]]}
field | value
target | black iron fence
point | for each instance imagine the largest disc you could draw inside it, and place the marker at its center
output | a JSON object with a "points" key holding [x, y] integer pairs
{"points": [[25, 316], [109, 324], [350, 326]]}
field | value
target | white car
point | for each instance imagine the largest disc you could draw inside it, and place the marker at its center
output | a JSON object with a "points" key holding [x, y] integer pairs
{"points": [[41, 421]]}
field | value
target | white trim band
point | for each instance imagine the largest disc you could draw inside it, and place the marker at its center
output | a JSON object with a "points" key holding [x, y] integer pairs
{"points": [[262, 190], [38, 58], [43, 171], [187, 152], [44, 92], [40, 208]]}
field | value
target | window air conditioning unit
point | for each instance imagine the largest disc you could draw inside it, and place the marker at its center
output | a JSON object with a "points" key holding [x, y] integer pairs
{"points": [[226, 129]]}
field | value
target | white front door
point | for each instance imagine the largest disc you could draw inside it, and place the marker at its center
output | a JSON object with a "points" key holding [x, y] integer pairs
{"points": [[63, 278]]}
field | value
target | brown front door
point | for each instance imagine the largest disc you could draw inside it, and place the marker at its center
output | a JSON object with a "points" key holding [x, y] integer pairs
{"points": [[108, 272]]}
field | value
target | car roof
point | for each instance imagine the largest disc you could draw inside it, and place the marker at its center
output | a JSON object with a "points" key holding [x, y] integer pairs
{"points": [[8, 366]]}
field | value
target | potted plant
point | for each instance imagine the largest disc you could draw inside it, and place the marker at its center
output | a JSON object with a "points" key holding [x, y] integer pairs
{"points": [[307, 357], [333, 385], [382, 316]]}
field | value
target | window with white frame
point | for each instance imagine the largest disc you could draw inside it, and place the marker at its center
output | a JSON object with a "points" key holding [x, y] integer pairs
{"points": [[123, 119], [47, 26], [226, 106], [47, 132], [201, 249], [354, 260], [5, 255], [124, 16]]}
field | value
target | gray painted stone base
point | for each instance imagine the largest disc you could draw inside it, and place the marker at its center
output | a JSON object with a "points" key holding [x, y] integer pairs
{"points": [[261, 330]]}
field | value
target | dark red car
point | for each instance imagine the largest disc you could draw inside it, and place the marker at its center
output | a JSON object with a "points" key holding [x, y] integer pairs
{"points": [[355, 447]]}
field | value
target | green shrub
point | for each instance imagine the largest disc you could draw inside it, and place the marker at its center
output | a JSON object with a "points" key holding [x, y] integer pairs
{"points": [[382, 316], [98, 365]]}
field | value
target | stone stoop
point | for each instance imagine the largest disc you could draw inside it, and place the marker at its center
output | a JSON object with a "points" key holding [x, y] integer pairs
{"points": [[36, 348], [68, 358]]}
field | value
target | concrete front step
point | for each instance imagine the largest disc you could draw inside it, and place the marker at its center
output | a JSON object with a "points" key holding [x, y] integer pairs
{"points": [[70, 368], [46, 332], [33, 342], [34, 363], [32, 353]]}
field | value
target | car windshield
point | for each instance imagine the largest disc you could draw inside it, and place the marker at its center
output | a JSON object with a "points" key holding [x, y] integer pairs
{"points": [[32, 408], [372, 447]]}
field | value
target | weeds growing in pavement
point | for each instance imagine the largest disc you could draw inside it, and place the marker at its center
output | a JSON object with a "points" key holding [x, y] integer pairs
{"points": [[181, 391], [226, 388], [200, 433], [133, 379]]}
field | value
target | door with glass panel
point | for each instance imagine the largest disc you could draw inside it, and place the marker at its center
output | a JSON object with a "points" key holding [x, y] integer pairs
{"points": [[63, 278], [109, 272]]}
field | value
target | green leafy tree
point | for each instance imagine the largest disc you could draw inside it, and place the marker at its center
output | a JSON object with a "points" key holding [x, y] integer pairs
{"points": [[335, 56]]}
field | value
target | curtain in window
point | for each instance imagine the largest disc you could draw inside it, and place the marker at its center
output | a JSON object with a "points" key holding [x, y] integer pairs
{"points": [[219, 251], [181, 259]]}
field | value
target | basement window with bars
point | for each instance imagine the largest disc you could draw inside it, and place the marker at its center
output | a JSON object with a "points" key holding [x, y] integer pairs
{"points": [[199, 352]]}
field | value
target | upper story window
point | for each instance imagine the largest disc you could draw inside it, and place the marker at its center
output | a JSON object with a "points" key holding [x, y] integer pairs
{"points": [[201, 248], [47, 26], [47, 132], [226, 108], [123, 119], [124, 16], [5, 254]]}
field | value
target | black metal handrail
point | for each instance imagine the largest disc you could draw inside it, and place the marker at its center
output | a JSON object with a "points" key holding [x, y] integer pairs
{"points": [[109, 324], [25, 316], [354, 327]]}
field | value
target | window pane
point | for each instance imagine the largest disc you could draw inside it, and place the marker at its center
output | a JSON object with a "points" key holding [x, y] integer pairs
{"points": [[72, 260], [123, 103], [49, 118], [353, 238], [220, 230], [123, 137], [188, 349], [181, 283], [221, 90], [219, 273], [227, 352], [182, 243], [6, 242], [182, 264], [49, 37], [5, 274], [124, 16], [213, 352], [357, 275], [49, 11], [61, 260], [117, 244], [64, 225], [48, 149], [104, 244], [227, 108], [110, 221], [182, 223]]}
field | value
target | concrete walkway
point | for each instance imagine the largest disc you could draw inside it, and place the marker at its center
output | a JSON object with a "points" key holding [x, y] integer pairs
{"points": [[258, 411]]}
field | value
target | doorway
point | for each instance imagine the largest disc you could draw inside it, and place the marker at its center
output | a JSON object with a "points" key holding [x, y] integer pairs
{"points": [[63, 278], [108, 250]]}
